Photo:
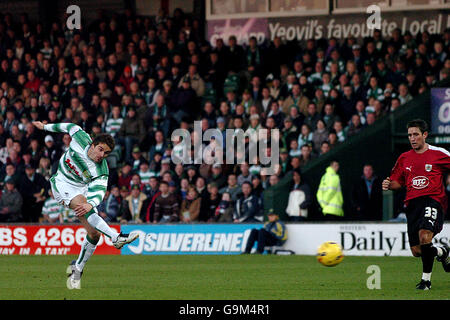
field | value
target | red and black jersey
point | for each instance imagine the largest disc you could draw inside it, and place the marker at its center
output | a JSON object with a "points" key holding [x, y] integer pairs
{"points": [[422, 174]]}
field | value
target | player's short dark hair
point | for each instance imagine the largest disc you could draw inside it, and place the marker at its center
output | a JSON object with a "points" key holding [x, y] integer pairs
{"points": [[418, 123], [104, 138]]}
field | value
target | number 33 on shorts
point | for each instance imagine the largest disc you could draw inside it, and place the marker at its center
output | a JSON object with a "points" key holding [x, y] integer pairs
{"points": [[430, 212]]}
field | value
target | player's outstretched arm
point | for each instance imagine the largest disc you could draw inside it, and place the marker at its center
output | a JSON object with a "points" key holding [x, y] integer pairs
{"points": [[69, 128]]}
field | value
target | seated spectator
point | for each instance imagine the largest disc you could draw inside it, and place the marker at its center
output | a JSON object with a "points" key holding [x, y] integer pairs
{"points": [[109, 209], [355, 126], [132, 206], [324, 147], [329, 116], [166, 205], [224, 211], [52, 211], [190, 206], [306, 154], [340, 132], [294, 150], [312, 116], [245, 175], [217, 176], [273, 233], [11, 203], [333, 139], [247, 206], [319, 135], [305, 136], [232, 188]]}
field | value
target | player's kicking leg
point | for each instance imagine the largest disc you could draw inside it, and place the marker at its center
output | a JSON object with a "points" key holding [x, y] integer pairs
{"points": [[97, 222]]}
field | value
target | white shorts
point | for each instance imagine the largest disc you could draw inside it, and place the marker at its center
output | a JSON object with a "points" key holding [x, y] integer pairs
{"points": [[64, 192]]}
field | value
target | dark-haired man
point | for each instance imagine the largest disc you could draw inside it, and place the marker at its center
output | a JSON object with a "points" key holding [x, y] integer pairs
{"points": [[80, 183], [421, 171]]}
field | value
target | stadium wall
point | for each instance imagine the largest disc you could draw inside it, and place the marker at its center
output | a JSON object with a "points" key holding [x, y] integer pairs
{"points": [[357, 239]]}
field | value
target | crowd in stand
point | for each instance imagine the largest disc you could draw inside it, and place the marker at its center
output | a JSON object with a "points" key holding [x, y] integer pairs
{"points": [[140, 78]]}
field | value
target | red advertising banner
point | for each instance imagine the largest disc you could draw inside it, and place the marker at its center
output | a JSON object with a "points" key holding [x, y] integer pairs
{"points": [[49, 240]]}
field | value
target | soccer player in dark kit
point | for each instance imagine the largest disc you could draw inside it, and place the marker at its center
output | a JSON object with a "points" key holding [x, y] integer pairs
{"points": [[421, 171]]}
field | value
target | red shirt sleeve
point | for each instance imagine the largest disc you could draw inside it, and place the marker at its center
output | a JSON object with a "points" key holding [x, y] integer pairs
{"points": [[444, 161], [397, 173]]}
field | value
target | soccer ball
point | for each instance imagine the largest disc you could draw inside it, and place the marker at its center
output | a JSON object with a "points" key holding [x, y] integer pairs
{"points": [[330, 254]]}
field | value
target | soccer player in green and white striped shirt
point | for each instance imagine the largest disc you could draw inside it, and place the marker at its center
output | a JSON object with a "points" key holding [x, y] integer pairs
{"points": [[80, 183]]}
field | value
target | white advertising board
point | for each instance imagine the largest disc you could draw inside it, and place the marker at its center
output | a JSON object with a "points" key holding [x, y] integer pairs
{"points": [[365, 239]]}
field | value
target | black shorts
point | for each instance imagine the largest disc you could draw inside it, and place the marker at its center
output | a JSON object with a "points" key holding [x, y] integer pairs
{"points": [[423, 213]]}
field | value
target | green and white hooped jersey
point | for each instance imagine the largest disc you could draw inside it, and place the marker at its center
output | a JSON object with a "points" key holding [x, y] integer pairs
{"points": [[52, 208], [76, 168]]}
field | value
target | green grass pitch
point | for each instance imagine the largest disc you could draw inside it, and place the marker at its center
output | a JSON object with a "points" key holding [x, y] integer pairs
{"points": [[214, 277]]}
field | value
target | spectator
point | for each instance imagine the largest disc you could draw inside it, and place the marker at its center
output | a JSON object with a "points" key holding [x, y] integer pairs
{"points": [[132, 206], [299, 198], [33, 188], [247, 205], [194, 79], [340, 132], [329, 194], [355, 126], [184, 102], [319, 135], [324, 147], [211, 203], [190, 206], [367, 196], [166, 205], [297, 99], [52, 211], [305, 136], [112, 205], [245, 175], [306, 155], [131, 132], [272, 234], [232, 188], [312, 116], [224, 211], [10, 174], [11, 203]]}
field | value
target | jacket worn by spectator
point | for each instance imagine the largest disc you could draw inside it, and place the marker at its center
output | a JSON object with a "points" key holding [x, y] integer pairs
{"points": [[12, 200], [190, 209], [367, 205], [278, 229], [132, 208], [166, 206], [132, 127], [247, 209]]}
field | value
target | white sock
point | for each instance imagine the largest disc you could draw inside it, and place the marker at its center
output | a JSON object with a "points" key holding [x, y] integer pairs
{"points": [[87, 250], [426, 276], [98, 223]]}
